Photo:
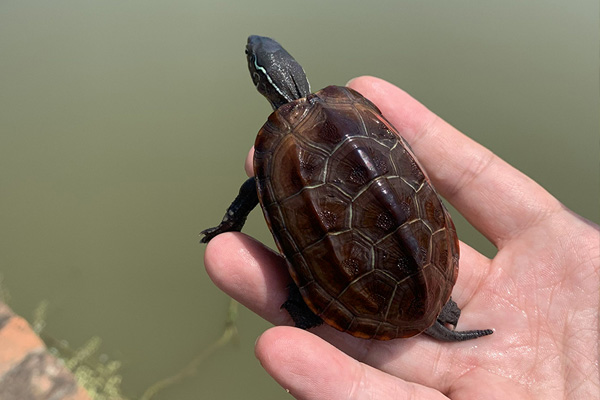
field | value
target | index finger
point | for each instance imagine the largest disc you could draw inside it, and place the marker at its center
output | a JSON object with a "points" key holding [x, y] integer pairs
{"points": [[494, 197]]}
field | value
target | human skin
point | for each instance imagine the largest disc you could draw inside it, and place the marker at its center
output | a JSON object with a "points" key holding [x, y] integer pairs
{"points": [[540, 293]]}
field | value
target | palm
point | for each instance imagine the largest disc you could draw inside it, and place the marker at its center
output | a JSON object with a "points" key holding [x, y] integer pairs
{"points": [[540, 292]]}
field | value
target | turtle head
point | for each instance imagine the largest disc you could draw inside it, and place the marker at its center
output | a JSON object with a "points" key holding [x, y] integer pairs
{"points": [[275, 73]]}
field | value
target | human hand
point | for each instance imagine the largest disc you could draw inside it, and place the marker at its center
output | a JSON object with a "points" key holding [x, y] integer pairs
{"points": [[540, 292]]}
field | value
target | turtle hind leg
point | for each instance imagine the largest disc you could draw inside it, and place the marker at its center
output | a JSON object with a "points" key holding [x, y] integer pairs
{"points": [[449, 316], [236, 214], [303, 316], [450, 313]]}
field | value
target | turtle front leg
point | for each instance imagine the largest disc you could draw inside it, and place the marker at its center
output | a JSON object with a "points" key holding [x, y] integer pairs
{"points": [[236, 214], [449, 316]]}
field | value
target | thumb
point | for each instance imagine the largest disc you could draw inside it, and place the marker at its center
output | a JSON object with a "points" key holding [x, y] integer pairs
{"points": [[310, 368]]}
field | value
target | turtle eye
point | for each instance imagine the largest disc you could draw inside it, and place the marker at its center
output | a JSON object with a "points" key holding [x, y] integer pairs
{"points": [[246, 51]]}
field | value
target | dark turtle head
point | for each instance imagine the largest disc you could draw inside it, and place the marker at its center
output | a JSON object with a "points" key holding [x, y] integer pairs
{"points": [[275, 73]]}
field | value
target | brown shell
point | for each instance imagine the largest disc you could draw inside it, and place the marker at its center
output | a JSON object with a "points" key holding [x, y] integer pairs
{"points": [[367, 239]]}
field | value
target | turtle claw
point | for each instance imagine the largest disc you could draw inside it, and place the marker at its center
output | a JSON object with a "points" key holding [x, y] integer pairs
{"points": [[227, 225], [210, 233]]}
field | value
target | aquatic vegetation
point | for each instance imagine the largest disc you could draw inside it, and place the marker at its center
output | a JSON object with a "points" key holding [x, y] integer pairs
{"points": [[94, 372]]}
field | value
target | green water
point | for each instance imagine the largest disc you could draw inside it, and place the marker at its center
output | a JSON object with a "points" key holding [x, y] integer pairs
{"points": [[124, 126]]}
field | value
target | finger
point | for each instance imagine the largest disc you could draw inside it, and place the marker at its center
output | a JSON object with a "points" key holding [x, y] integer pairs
{"points": [[249, 272], [249, 165], [474, 270], [497, 199], [257, 277], [310, 368]]}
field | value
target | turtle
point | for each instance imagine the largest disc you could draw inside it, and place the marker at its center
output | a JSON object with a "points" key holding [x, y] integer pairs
{"points": [[370, 247]]}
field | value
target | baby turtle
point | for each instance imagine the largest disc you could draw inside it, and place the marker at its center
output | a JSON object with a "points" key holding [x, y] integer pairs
{"points": [[369, 245]]}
